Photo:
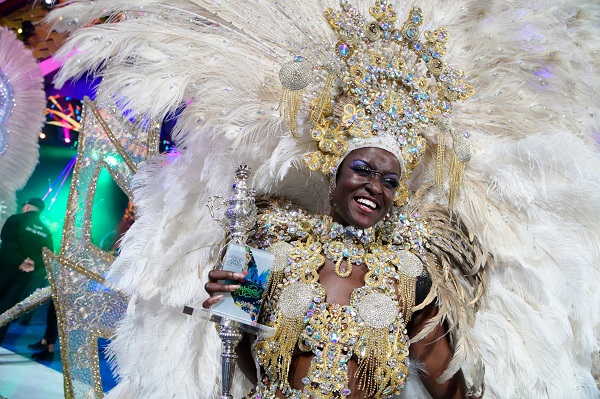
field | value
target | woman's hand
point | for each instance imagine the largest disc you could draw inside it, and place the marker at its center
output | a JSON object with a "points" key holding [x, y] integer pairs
{"points": [[213, 286]]}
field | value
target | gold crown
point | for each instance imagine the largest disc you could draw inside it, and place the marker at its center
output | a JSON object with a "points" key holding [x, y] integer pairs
{"points": [[394, 85]]}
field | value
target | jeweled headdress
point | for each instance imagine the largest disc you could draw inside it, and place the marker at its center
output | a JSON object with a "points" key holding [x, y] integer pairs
{"points": [[391, 87]]}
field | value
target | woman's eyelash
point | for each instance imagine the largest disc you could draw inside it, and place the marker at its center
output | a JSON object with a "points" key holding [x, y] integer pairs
{"points": [[361, 168], [368, 171], [392, 182]]}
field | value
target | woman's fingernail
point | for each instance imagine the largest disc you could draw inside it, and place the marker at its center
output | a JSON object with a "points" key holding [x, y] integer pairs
{"points": [[238, 275], [218, 297], [234, 287]]}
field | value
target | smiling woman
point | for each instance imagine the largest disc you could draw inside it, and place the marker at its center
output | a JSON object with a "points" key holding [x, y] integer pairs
{"points": [[350, 290], [365, 187], [355, 297]]}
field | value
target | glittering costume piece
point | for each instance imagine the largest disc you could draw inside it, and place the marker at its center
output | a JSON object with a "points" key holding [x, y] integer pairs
{"points": [[37, 298], [371, 328], [87, 307], [394, 87]]}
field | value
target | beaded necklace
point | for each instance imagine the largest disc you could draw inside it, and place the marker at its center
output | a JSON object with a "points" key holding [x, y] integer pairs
{"points": [[346, 243]]}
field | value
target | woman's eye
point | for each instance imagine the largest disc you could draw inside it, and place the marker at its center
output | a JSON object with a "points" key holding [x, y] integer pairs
{"points": [[362, 170], [393, 183]]}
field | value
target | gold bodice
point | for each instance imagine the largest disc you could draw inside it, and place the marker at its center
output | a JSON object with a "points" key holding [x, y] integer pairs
{"points": [[371, 328]]}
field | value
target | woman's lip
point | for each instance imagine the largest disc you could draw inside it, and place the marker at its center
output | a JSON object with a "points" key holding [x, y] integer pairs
{"points": [[365, 208], [376, 205]]}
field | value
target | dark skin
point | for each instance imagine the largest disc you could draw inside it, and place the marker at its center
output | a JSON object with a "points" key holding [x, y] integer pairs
{"points": [[365, 187]]}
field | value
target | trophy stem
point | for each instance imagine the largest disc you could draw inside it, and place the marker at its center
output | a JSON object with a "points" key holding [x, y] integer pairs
{"points": [[230, 336]]}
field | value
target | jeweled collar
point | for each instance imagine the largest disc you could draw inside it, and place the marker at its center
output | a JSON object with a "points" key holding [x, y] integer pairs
{"points": [[327, 228]]}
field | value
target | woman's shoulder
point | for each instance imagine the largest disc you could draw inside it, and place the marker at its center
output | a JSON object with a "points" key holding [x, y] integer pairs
{"points": [[281, 219]]}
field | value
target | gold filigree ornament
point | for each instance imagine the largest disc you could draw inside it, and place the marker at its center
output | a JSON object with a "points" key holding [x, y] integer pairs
{"points": [[294, 301], [282, 251], [393, 85], [378, 311]]}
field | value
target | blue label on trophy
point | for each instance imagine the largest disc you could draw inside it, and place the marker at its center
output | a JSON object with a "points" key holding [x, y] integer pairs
{"points": [[244, 303]]}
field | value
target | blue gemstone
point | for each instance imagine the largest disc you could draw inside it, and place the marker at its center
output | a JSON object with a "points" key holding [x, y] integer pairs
{"points": [[343, 49]]}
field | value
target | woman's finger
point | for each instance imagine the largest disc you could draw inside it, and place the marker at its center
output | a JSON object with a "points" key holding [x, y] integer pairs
{"points": [[215, 275], [211, 301], [212, 287]]}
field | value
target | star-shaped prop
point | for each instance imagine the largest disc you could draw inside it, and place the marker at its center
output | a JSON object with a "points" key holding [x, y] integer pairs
{"points": [[87, 310]]}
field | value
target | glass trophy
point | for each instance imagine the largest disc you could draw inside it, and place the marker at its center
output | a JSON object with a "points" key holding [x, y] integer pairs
{"points": [[238, 311]]}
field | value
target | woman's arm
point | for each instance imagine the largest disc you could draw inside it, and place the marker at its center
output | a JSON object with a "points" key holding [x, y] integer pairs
{"points": [[434, 353]]}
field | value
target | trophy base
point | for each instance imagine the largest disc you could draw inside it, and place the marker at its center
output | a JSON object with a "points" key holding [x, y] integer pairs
{"points": [[222, 319]]}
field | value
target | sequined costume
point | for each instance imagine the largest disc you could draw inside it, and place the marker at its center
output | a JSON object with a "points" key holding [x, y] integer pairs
{"points": [[372, 328]]}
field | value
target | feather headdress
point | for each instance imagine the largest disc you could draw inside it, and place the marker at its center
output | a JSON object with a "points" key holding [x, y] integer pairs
{"points": [[534, 65]]}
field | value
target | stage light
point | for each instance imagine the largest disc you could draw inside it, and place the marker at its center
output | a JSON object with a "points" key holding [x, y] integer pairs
{"points": [[26, 30], [48, 4], [42, 135], [67, 134]]}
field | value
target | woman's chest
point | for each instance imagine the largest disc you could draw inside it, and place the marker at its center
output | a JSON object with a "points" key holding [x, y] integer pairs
{"points": [[339, 289]]}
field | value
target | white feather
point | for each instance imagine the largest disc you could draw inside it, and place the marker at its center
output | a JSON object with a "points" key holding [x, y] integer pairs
{"points": [[21, 118]]}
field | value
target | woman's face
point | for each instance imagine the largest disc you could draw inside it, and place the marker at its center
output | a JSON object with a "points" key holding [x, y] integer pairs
{"points": [[366, 184]]}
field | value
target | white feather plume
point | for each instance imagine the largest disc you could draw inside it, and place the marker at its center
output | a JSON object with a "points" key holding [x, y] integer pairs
{"points": [[21, 118]]}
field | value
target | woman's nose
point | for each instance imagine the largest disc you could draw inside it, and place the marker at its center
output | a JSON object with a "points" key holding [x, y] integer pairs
{"points": [[375, 185]]}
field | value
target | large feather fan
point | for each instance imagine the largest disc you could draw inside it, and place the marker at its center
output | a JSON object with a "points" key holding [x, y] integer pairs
{"points": [[22, 104], [531, 193]]}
